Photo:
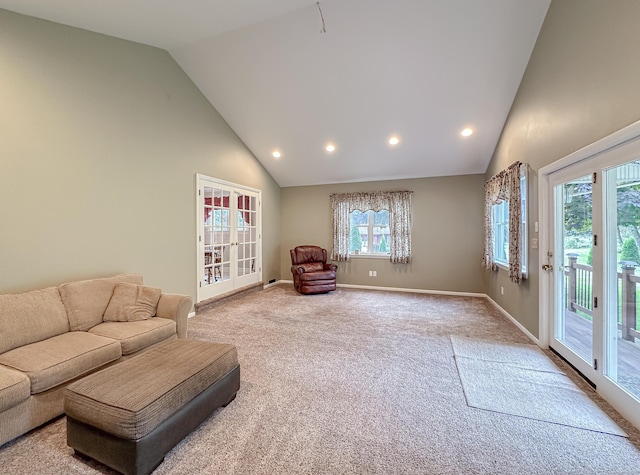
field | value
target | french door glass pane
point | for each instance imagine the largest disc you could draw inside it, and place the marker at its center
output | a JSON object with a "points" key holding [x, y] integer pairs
{"points": [[622, 339], [216, 235], [574, 304]]}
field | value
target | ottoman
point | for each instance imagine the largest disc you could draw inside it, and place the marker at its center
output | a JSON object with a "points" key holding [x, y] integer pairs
{"points": [[129, 415]]}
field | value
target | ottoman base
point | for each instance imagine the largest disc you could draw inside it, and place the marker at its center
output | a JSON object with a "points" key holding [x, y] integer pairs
{"points": [[142, 456]]}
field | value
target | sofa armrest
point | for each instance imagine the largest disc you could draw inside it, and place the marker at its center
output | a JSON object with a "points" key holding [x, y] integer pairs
{"points": [[332, 267], [175, 307]]}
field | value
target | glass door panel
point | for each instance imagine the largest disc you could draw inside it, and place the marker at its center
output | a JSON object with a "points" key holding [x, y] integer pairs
{"points": [[573, 322], [621, 262], [247, 235], [216, 238]]}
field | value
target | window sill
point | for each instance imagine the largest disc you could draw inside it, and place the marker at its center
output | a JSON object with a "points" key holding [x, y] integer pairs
{"points": [[369, 256], [505, 267]]}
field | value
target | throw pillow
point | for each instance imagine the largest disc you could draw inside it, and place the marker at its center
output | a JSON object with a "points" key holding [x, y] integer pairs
{"points": [[132, 303]]}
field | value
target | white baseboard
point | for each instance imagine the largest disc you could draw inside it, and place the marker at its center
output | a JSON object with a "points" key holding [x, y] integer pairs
{"points": [[396, 289], [413, 291], [513, 320], [266, 286]]}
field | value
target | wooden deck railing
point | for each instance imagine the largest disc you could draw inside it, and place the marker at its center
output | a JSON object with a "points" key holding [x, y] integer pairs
{"points": [[579, 293]]}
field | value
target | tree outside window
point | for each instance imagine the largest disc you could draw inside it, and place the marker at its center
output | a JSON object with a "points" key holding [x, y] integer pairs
{"points": [[369, 234], [500, 225]]}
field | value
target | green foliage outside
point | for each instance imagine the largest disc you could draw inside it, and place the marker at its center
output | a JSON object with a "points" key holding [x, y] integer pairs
{"points": [[630, 251], [383, 244], [355, 241]]}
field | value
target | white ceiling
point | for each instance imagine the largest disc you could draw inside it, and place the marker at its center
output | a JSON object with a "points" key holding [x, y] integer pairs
{"points": [[419, 69]]}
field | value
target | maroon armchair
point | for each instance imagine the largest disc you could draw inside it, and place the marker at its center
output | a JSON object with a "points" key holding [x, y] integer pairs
{"points": [[311, 273]]}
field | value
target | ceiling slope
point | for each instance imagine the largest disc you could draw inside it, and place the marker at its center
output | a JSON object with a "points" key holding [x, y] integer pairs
{"points": [[421, 70]]}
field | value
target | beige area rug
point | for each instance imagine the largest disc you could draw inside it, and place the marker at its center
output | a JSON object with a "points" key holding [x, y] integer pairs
{"points": [[521, 380], [355, 382]]}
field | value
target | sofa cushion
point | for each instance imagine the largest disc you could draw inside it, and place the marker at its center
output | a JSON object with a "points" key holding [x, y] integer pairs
{"points": [[61, 358], [132, 303], [134, 336], [86, 300], [14, 388], [30, 317]]}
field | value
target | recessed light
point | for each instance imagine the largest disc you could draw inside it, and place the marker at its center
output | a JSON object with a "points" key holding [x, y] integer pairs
{"points": [[466, 132], [276, 154], [394, 140], [330, 148]]}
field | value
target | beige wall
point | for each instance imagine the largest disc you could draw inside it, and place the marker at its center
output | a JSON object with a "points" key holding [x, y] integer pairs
{"points": [[446, 234], [100, 141], [581, 84]]}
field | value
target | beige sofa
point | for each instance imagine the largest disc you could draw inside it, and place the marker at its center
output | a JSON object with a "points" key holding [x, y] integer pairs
{"points": [[51, 337]]}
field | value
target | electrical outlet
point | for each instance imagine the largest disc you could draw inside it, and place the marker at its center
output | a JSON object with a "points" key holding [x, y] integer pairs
{"points": [[375, 273], [501, 290]]}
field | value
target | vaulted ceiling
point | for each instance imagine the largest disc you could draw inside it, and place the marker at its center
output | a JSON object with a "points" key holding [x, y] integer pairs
{"points": [[294, 76]]}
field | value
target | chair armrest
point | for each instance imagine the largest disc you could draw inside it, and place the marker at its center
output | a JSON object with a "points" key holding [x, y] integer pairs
{"points": [[175, 307], [332, 267], [297, 270]]}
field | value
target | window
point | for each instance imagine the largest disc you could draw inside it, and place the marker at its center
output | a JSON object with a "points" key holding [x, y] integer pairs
{"points": [[369, 232], [384, 229], [500, 227]]}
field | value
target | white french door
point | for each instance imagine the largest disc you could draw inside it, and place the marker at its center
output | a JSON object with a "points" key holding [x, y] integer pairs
{"points": [[229, 237], [591, 269]]}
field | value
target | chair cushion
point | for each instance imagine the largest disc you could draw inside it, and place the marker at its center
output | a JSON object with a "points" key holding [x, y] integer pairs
{"points": [[322, 275], [61, 358], [14, 388], [134, 336], [87, 300], [301, 254], [131, 398], [30, 317]]}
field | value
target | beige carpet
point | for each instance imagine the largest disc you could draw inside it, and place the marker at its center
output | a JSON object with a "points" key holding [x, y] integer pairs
{"points": [[356, 382]]}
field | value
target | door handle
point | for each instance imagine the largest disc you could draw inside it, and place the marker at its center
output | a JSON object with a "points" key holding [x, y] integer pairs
{"points": [[547, 267]]}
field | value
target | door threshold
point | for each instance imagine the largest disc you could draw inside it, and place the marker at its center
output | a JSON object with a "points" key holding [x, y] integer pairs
{"points": [[223, 298], [591, 383]]}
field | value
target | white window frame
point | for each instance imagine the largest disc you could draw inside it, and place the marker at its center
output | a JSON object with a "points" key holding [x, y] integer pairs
{"points": [[501, 211], [370, 225]]}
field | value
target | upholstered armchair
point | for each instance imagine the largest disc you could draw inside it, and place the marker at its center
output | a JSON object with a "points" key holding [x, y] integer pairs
{"points": [[311, 273]]}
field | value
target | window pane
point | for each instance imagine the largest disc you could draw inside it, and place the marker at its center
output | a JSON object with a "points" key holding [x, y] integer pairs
{"points": [[364, 238], [500, 222], [369, 232], [358, 217], [381, 218], [381, 239]]}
